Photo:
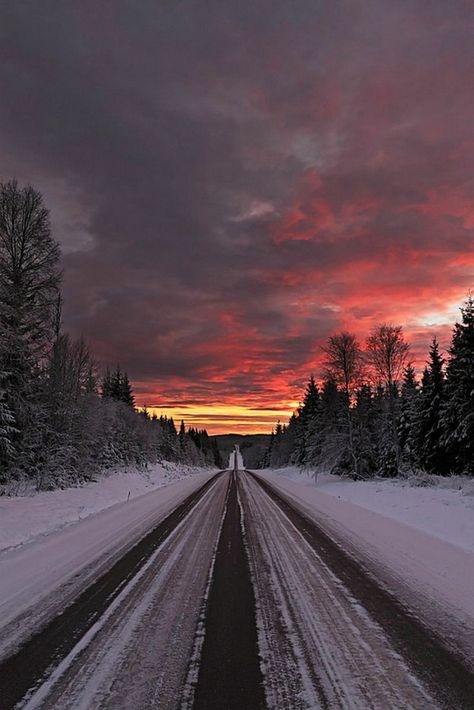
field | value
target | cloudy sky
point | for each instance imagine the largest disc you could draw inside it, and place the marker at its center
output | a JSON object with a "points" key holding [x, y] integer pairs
{"points": [[233, 181]]}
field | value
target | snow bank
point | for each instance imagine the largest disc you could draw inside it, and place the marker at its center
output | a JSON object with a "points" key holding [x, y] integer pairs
{"points": [[419, 542], [23, 518], [39, 578], [444, 510]]}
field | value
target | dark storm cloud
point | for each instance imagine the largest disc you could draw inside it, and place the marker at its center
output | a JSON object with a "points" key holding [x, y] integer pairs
{"points": [[232, 181]]}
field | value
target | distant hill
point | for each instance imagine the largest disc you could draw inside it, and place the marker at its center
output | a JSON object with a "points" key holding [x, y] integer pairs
{"points": [[252, 447]]}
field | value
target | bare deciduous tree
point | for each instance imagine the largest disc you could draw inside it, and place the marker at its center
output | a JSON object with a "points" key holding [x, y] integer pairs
{"points": [[387, 353], [344, 364]]}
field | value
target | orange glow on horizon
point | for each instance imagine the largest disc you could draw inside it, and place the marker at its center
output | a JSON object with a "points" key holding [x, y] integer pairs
{"points": [[258, 413], [342, 262], [225, 419]]}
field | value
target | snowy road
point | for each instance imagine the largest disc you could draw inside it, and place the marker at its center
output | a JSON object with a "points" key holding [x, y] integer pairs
{"points": [[236, 600], [329, 635]]}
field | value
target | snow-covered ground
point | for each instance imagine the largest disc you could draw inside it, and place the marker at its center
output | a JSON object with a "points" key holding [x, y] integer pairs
{"points": [[23, 518], [419, 542], [137, 653], [310, 625], [444, 510], [63, 540]]}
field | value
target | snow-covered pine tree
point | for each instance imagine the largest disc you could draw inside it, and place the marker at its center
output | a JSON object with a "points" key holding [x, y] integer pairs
{"points": [[328, 445], [106, 387], [7, 432], [387, 354], [386, 456], [267, 456], [407, 422], [116, 385], [458, 410], [344, 364], [431, 453], [308, 416], [288, 443], [29, 288], [182, 439], [126, 391], [365, 431], [276, 459]]}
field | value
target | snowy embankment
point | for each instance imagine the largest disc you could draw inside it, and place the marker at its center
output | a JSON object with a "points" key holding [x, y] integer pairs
{"points": [[418, 540], [25, 517], [444, 510]]}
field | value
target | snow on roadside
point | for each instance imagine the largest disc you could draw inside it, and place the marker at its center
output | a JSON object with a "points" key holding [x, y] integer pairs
{"points": [[444, 510], [418, 542], [24, 518]]}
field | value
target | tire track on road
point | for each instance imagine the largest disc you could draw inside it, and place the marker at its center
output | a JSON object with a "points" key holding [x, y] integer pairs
{"points": [[25, 670], [448, 678], [229, 670]]}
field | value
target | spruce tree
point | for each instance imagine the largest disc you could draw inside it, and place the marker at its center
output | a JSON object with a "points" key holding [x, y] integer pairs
{"points": [[125, 391], [7, 433], [407, 423], [458, 409], [344, 364], [267, 456], [182, 437], [275, 459], [328, 443], [365, 431], [116, 385], [387, 354], [431, 451], [308, 415], [387, 464], [29, 288], [106, 388]]}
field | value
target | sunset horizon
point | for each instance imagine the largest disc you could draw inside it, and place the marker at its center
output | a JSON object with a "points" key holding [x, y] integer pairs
{"points": [[219, 220], [236, 415]]}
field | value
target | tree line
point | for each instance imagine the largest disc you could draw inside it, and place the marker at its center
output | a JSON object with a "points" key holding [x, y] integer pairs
{"points": [[60, 422], [370, 416]]}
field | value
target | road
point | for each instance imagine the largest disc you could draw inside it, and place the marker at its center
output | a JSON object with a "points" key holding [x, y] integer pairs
{"points": [[235, 600]]}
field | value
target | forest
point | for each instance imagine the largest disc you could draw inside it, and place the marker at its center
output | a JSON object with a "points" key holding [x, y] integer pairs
{"points": [[370, 416], [61, 421]]}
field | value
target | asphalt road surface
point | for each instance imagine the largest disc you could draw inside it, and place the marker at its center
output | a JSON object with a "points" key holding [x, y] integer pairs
{"points": [[235, 601]]}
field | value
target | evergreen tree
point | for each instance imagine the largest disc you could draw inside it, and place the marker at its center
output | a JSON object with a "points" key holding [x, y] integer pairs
{"points": [[344, 365], [458, 410], [7, 432], [387, 353], [327, 440], [182, 438], [267, 457], [116, 385], [407, 424], [365, 430], [387, 464], [106, 388], [308, 416], [276, 451], [431, 452], [125, 391], [29, 288]]}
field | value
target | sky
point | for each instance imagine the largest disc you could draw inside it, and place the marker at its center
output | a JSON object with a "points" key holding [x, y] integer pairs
{"points": [[232, 182]]}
